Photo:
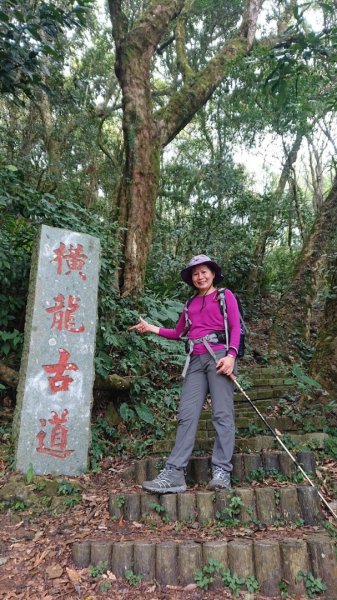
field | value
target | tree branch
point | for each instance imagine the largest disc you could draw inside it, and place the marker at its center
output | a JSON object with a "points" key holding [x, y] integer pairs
{"points": [[198, 89]]}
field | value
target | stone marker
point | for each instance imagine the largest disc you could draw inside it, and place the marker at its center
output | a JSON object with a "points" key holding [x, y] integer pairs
{"points": [[52, 417]]}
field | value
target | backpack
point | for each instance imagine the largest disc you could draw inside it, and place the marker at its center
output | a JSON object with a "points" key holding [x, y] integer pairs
{"points": [[222, 300]]}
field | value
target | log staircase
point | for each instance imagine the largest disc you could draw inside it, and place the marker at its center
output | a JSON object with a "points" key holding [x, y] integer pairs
{"points": [[268, 529]]}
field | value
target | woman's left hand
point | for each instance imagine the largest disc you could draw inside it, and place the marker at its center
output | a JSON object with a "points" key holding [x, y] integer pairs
{"points": [[225, 365]]}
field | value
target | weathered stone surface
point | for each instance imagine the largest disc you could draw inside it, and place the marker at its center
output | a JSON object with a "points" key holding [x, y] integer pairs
{"points": [[144, 559], [268, 566], [52, 417], [199, 469], [265, 505], [252, 462], [169, 504], [238, 467], [189, 560], [271, 461], [217, 550], [310, 505], [322, 550], [100, 552], [240, 557], [205, 506], [166, 563], [122, 558], [81, 553], [294, 559], [131, 507], [186, 507], [289, 504], [141, 471], [248, 510]]}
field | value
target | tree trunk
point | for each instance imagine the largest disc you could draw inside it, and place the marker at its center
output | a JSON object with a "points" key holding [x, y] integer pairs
{"points": [[253, 280], [292, 318], [146, 133], [324, 363]]}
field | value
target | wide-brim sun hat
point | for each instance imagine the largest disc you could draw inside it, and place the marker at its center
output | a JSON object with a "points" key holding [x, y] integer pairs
{"points": [[201, 259]]}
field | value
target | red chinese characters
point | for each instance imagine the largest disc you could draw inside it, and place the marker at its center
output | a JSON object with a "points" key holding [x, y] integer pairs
{"points": [[52, 438], [59, 382], [64, 318], [73, 257], [58, 436]]}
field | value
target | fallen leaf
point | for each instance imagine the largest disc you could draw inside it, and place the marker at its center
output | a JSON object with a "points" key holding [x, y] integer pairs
{"points": [[40, 558], [190, 587], [74, 576], [54, 571]]}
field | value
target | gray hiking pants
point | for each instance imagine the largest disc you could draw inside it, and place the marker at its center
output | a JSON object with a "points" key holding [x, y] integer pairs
{"points": [[201, 378]]}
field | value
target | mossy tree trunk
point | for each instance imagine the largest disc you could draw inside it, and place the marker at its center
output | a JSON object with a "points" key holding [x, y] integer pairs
{"points": [[324, 363], [145, 132], [293, 316]]}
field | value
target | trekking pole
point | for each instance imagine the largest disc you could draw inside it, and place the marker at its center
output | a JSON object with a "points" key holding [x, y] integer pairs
{"points": [[277, 435]]}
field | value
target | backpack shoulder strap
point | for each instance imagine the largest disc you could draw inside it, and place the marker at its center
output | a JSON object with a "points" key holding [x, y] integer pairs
{"points": [[187, 319], [222, 300]]}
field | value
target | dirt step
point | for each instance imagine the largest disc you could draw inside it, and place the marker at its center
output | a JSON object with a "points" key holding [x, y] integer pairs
{"points": [[270, 506], [245, 466], [269, 561]]}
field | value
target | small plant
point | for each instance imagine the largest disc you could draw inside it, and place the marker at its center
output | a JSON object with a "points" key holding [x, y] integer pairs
{"points": [[257, 474], [160, 510], [299, 522], [120, 501], [98, 570], [104, 585], [133, 578], [228, 516], [18, 504], [30, 474], [283, 589], [65, 488], [70, 502], [205, 576], [313, 585], [298, 477]]}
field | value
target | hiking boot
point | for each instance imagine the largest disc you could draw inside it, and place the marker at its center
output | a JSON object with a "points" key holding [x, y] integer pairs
{"points": [[221, 479], [169, 480]]}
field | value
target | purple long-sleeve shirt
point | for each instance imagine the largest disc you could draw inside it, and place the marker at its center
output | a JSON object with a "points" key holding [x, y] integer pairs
{"points": [[205, 316]]}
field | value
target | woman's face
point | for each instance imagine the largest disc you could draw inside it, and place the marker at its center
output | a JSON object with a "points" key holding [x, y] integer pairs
{"points": [[202, 277]]}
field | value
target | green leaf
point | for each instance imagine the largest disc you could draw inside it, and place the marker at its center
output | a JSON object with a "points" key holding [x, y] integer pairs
{"points": [[145, 413]]}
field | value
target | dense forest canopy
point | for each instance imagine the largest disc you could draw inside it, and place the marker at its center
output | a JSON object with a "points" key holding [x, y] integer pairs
{"points": [[126, 119]]}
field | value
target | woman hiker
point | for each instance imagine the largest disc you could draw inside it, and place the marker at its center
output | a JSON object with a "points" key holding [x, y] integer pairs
{"points": [[207, 369]]}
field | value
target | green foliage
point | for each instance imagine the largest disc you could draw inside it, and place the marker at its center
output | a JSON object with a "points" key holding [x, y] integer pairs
{"points": [[304, 382], [30, 33], [102, 441], [66, 488], [29, 476], [214, 568], [133, 578], [160, 510], [99, 569], [228, 516], [330, 447], [314, 585]]}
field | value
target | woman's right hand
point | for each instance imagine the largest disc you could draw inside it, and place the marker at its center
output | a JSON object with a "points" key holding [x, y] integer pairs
{"points": [[144, 327]]}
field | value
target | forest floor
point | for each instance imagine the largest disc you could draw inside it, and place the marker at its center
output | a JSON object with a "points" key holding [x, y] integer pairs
{"points": [[35, 549]]}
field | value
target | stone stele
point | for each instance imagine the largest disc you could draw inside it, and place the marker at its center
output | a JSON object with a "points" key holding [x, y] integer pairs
{"points": [[52, 417]]}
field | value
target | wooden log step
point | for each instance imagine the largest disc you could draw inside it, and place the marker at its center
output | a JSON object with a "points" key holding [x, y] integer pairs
{"points": [[271, 562], [266, 505], [246, 467]]}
